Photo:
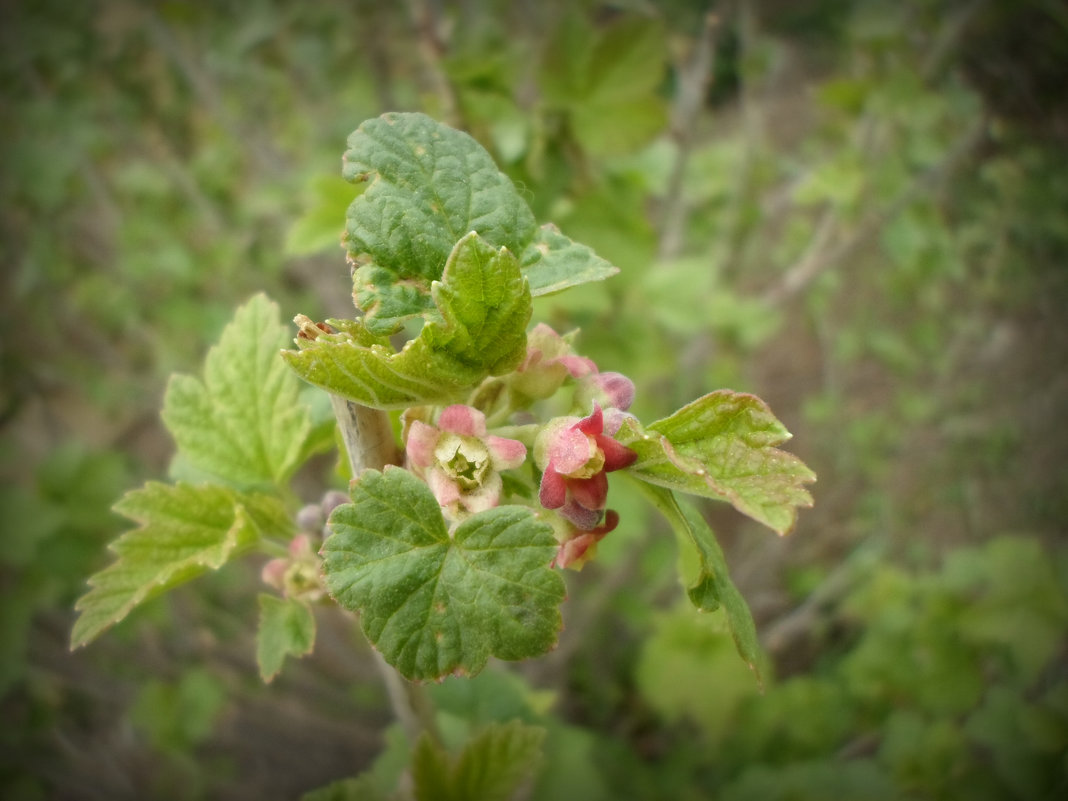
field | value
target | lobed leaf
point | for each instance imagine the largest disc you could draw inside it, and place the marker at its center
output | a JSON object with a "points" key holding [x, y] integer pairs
{"points": [[184, 531], [436, 603], [244, 423], [483, 307], [722, 446], [429, 185], [287, 626], [553, 262]]}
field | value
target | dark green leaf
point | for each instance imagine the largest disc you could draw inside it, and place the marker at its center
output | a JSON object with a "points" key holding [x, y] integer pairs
{"points": [[435, 602]]}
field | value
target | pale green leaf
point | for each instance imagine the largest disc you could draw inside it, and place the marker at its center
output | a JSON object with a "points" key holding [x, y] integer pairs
{"points": [[553, 262], [483, 307], [243, 423], [491, 767], [183, 531], [709, 585], [722, 446], [287, 626], [436, 603]]}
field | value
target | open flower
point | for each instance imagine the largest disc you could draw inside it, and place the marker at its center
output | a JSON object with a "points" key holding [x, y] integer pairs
{"points": [[460, 461], [575, 456]]}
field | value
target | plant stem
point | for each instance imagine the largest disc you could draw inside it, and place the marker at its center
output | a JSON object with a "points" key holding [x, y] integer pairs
{"points": [[368, 439]]}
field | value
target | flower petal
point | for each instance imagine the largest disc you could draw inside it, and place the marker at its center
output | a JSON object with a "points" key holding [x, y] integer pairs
{"points": [[421, 442], [590, 493], [616, 456], [570, 449], [580, 516], [594, 424], [485, 497], [465, 420], [444, 488], [506, 453], [553, 490], [618, 390]]}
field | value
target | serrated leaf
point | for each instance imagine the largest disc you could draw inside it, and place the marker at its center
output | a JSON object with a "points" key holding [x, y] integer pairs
{"points": [[436, 603], [553, 262], [287, 626], [243, 423], [710, 586], [491, 766], [722, 446], [429, 185], [183, 531], [483, 307]]}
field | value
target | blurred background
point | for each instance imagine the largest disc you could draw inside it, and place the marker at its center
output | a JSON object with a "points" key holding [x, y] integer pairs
{"points": [[857, 210]]}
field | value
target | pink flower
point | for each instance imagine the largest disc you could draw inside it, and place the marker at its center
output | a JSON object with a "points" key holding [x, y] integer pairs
{"points": [[580, 545], [575, 456], [460, 462]]}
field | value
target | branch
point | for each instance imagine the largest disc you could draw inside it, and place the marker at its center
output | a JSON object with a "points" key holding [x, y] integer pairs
{"points": [[368, 439]]}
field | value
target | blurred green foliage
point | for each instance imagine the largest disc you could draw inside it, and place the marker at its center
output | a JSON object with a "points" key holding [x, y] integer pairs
{"points": [[861, 222]]}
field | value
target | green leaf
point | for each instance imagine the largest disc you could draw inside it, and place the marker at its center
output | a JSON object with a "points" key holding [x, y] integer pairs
{"points": [[287, 626], [184, 531], [722, 446], [428, 186], [491, 766], [244, 423], [483, 307], [552, 262], [436, 603], [709, 586]]}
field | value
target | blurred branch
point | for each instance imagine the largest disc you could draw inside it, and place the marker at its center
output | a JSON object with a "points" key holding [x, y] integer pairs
{"points": [[369, 444], [426, 19], [694, 76], [824, 253]]}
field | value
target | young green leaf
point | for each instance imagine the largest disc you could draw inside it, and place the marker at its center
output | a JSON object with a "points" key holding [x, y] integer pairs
{"points": [[183, 531], [244, 423], [428, 186], [491, 767], [436, 603], [710, 586], [722, 446], [483, 307], [553, 262], [287, 626]]}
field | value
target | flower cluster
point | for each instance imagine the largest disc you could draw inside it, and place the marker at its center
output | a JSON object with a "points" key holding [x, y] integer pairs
{"points": [[460, 461]]}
